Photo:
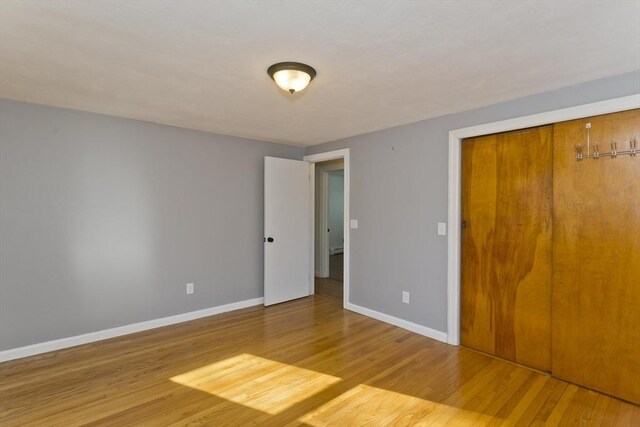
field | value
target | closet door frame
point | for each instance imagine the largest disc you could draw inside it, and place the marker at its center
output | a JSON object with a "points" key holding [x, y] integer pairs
{"points": [[455, 166]]}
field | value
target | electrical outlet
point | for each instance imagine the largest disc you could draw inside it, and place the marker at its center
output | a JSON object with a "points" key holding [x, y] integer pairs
{"points": [[442, 228], [405, 297], [353, 223], [190, 288]]}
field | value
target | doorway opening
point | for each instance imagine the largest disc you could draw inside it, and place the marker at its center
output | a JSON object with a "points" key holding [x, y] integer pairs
{"points": [[328, 228], [330, 224]]}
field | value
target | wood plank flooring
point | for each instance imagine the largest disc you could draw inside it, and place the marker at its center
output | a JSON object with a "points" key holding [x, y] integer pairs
{"points": [[305, 362], [336, 267], [332, 286]]}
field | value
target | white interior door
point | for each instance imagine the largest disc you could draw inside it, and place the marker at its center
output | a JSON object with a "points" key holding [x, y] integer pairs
{"points": [[287, 225]]}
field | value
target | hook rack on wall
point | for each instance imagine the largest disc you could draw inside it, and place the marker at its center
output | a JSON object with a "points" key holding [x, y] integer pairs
{"points": [[596, 154]]}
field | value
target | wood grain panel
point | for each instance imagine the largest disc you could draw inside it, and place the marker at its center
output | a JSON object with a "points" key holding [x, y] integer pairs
{"points": [[596, 261], [304, 362], [506, 245]]}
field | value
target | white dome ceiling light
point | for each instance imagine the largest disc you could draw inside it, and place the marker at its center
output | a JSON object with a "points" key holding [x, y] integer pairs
{"points": [[291, 76]]}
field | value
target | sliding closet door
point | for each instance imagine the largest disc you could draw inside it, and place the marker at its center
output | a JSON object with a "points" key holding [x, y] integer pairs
{"points": [[596, 257], [506, 245]]}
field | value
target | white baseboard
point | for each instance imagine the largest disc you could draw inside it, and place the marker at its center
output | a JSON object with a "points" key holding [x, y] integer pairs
{"points": [[45, 347], [401, 323]]}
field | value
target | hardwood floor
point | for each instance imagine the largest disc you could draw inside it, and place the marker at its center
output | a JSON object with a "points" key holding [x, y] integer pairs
{"points": [[305, 362], [332, 286], [336, 267]]}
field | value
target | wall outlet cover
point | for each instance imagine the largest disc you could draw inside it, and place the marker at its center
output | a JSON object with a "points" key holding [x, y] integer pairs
{"points": [[405, 297], [190, 288], [354, 223], [442, 228]]}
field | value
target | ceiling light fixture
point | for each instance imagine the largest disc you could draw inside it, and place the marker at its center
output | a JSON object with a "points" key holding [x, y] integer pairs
{"points": [[291, 76]]}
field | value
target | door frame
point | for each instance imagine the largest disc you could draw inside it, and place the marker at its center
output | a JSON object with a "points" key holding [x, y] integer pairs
{"points": [[322, 157], [455, 167], [323, 271]]}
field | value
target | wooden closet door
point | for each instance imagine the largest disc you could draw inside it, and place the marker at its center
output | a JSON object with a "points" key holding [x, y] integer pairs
{"points": [[596, 258], [506, 245]]}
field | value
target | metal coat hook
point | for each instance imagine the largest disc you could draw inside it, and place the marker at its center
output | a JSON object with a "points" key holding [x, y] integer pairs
{"points": [[596, 154], [579, 151]]}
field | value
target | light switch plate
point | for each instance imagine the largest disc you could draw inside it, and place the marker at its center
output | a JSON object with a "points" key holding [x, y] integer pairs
{"points": [[353, 223], [442, 229]]}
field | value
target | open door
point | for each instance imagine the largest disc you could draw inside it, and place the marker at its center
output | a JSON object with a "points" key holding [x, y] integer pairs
{"points": [[287, 228]]}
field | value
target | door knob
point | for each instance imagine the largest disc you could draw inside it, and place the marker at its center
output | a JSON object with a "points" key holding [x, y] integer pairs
{"points": [[269, 239]]}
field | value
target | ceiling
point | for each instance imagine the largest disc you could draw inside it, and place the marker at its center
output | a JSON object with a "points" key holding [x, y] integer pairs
{"points": [[202, 64]]}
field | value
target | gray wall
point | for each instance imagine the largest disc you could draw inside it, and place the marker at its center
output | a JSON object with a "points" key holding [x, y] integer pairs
{"points": [[399, 194], [104, 220]]}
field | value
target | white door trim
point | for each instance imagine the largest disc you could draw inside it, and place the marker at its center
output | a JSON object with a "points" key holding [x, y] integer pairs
{"points": [[322, 270], [455, 138], [324, 224], [322, 157]]}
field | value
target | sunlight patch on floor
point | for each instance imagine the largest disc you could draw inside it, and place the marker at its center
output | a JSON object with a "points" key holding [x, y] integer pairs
{"points": [[257, 383], [367, 405]]}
